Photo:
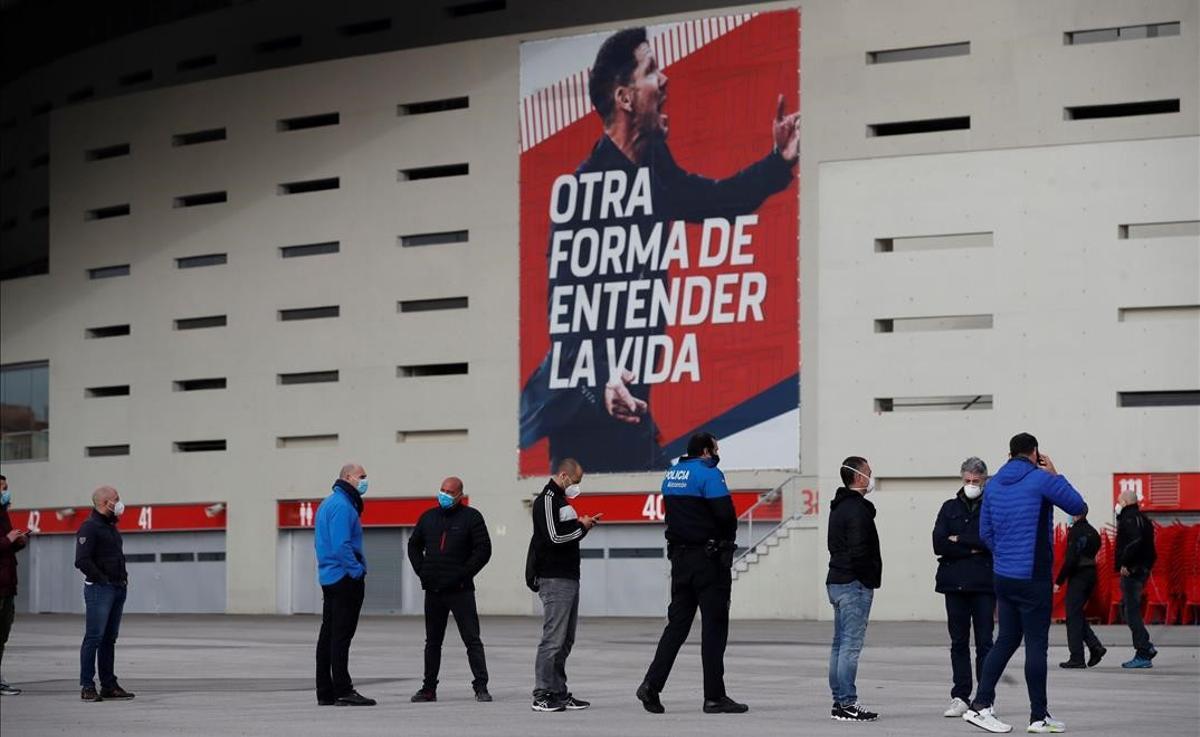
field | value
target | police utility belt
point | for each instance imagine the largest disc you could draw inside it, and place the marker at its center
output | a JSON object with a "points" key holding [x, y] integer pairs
{"points": [[712, 548]]}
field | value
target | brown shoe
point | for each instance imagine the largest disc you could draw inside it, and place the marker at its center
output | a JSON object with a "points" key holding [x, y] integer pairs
{"points": [[88, 693], [116, 693]]}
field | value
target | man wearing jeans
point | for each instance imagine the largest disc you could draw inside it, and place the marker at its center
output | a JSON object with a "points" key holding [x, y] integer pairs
{"points": [[855, 571], [1135, 556], [1016, 523], [552, 570], [342, 571], [99, 555]]}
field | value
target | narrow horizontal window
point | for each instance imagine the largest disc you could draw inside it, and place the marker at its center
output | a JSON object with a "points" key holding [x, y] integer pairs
{"points": [[911, 127], [636, 553], [116, 390], [200, 385], [209, 135], [905, 244], [213, 557], [1169, 312], [431, 369], [306, 441], [104, 213], [362, 28], [39, 213], [196, 62], [200, 199], [207, 259], [1121, 33], [933, 404], [428, 305], [177, 557], [309, 249], [106, 152], [1121, 109], [139, 557], [138, 77], [310, 185], [199, 446], [916, 53], [39, 161], [198, 323], [431, 436], [1173, 229], [108, 331], [434, 172], [434, 239], [81, 94], [283, 43], [931, 324], [41, 108], [308, 377], [309, 313], [1183, 398], [103, 451], [433, 106], [591, 553], [108, 272], [308, 121], [462, 10]]}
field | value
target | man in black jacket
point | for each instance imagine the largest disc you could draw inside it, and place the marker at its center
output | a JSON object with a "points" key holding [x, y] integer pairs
{"points": [[552, 570], [1134, 557], [964, 577], [447, 549], [1079, 573], [100, 556], [855, 571], [11, 541]]}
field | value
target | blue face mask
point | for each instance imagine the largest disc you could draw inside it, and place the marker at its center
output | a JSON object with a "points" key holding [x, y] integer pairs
{"points": [[445, 501], [362, 487], [5, 498]]}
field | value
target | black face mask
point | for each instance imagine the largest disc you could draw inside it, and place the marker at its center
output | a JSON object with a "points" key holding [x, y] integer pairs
{"points": [[715, 459]]}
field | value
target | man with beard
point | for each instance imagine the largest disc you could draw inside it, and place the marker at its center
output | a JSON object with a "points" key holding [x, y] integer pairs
{"points": [[607, 426]]}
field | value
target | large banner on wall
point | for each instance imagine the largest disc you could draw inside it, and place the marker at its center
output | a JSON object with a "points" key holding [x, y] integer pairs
{"points": [[659, 244]]}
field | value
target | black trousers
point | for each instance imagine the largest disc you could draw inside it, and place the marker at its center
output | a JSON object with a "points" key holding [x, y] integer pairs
{"points": [[339, 621], [1132, 587], [1079, 632], [697, 582], [438, 607], [967, 611]]}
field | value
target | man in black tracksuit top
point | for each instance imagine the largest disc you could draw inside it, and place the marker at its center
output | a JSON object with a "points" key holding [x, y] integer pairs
{"points": [[701, 529], [1079, 573], [100, 556], [552, 570], [1135, 556], [447, 549]]}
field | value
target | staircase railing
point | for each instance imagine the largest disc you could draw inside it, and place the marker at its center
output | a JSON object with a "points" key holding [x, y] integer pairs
{"points": [[754, 520]]}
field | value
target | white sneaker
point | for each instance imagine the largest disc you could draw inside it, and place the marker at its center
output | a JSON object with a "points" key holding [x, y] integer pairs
{"points": [[986, 720], [958, 707], [1049, 725]]}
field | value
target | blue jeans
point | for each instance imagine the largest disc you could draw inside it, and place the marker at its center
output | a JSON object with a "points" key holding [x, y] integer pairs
{"points": [[102, 623], [1024, 608], [851, 608]]}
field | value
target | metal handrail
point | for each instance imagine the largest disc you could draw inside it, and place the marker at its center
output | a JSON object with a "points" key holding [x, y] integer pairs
{"points": [[746, 553], [767, 497]]}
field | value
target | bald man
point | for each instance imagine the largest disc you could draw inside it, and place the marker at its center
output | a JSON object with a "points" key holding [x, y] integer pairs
{"points": [[447, 549], [1135, 556], [100, 556]]}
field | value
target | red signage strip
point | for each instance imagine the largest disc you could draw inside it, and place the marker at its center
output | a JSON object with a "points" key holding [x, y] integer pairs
{"points": [[640, 507], [147, 518], [300, 513], [1160, 492]]}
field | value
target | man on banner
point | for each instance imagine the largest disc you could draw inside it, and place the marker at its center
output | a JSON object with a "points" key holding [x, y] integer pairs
{"points": [[605, 422]]}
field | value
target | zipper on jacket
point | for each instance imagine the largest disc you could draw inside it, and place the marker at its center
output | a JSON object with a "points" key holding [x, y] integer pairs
{"points": [[443, 546]]}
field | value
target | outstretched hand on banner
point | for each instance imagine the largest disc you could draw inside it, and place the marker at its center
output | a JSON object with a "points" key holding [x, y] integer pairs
{"points": [[787, 133], [620, 403]]}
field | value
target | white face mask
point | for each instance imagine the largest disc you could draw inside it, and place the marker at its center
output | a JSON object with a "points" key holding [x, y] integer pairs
{"points": [[972, 490], [119, 508], [870, 480], [572, 491]]}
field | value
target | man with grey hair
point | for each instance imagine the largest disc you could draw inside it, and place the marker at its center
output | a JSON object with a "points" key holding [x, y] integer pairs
{"points": [[964, 578], [100, 556]]}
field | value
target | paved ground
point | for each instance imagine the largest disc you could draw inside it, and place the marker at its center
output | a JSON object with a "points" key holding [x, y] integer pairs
{"points": [[213, 675]]}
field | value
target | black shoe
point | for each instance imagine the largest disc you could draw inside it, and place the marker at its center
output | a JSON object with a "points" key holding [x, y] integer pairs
{"points": [[570, 703], [354, 698], [325, 702], [116, 693], [88, 693], [482, 696], [649, 699], [547, 702], [724, 705], [1094, 656], [1072, 664], [1150, 655], [423, 696], [853, 713]]}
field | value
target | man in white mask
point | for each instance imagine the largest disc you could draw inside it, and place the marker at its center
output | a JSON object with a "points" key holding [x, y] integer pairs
{"points": [[964, 577], [100, 556]]}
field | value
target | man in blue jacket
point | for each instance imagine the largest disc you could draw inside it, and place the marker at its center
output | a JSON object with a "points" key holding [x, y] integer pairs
{"points": [[1016, 522], [342, 571]]}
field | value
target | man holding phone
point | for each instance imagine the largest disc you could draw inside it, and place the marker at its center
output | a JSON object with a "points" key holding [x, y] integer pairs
{"points": [[11, 541]]}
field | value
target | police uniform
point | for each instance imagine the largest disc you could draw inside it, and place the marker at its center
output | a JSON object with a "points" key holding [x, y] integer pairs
{"points": [[701, 529]]}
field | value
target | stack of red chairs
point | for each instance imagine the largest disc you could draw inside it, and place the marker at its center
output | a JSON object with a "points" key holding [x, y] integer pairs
{"points": [[1098, 606], [1189, 550], [1157, 598], [1059, 611]]}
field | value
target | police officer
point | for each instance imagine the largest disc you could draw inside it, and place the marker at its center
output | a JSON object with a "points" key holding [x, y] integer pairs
{"points": [[701, 529]]}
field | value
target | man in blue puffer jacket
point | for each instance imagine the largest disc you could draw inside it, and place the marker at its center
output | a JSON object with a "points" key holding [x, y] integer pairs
{"points": [[1017, 524]]}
